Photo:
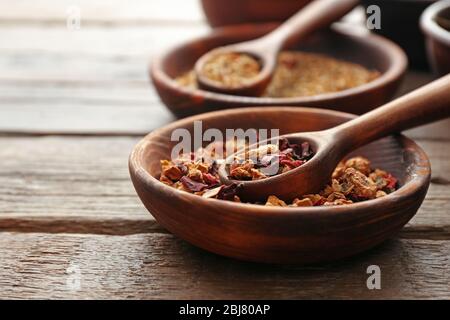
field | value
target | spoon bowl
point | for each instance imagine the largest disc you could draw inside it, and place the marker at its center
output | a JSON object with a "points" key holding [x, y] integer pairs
{"points": [[252, 87]]}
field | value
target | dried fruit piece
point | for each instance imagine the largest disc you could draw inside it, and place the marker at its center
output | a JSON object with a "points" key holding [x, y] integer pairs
{"points": [[302, 203], [270, 160], [173, 173], [363, 187], [359, 163], [380, 193], [210, 180], [275, 202]]}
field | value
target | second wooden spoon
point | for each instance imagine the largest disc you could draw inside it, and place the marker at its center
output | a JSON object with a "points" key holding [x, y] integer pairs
{"points": [[316, 15]]}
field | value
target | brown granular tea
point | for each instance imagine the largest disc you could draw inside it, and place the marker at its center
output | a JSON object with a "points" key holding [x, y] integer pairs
{"points": [[353, 180], [231, 69], [301, 74]]}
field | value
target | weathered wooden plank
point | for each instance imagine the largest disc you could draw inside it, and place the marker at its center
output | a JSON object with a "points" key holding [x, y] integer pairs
{"points": [[121, 107], [34, 107], [45, 69], [27, 92], [54, 179], [101, 40], [46, 172], [92, 11], [154, 266], [94, 224], [51, 80], [95, 54]]}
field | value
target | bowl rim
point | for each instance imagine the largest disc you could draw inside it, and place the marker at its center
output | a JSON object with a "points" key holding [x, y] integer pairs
{"points": [[429, 25], [256, 210], [397, 59]]}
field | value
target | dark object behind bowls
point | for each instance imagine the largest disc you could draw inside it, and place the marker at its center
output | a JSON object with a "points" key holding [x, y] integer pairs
{"points": [[400, 23], [228, 12], [435, 24]]}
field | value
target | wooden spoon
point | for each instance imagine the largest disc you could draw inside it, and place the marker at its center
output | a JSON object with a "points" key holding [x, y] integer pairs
{"points": [[316, 15], [424, 105]]}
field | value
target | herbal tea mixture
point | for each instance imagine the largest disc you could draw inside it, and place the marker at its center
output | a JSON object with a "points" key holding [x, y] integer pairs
{"points": [[352, 181], [298, 74]]}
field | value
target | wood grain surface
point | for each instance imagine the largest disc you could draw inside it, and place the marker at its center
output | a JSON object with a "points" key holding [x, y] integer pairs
{"points": [[72, 105], [156, 265]]}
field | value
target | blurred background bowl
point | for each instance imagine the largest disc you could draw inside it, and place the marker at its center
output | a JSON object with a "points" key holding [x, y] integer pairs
{"points": [[435, 24], [222, 13], [341, 42]]}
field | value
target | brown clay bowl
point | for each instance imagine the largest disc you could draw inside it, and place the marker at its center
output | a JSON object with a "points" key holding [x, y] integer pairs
{"points": [[222, 13], [438, 37], [369, 50], [281, 235]]}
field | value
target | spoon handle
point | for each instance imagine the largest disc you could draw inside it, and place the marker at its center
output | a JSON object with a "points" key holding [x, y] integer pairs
{"points": [[427, 104], [315, 15]]}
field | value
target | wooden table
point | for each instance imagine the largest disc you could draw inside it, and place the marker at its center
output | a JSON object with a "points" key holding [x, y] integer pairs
{"points": [[72, 105]]}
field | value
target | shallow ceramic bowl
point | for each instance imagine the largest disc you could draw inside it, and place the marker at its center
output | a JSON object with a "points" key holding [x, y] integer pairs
{"points": [[281, 235], [369, 50], [222, 13], [437, 38]]}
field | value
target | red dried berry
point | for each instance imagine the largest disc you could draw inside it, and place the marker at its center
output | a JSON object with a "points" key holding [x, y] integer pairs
{"points": [[392, 182], [210, 180]]}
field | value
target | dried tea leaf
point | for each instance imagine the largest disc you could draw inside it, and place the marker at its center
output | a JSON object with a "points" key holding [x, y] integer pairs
{"points": [[191, 185]]}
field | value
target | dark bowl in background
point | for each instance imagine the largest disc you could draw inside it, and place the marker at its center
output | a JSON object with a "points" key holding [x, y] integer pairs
{"points": [[400, 23], [435, 23], [223, 13]]}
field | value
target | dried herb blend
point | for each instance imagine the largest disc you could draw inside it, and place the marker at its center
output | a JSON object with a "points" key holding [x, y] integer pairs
{"points": [[353, 180], [298, 74], [270, 160]]}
